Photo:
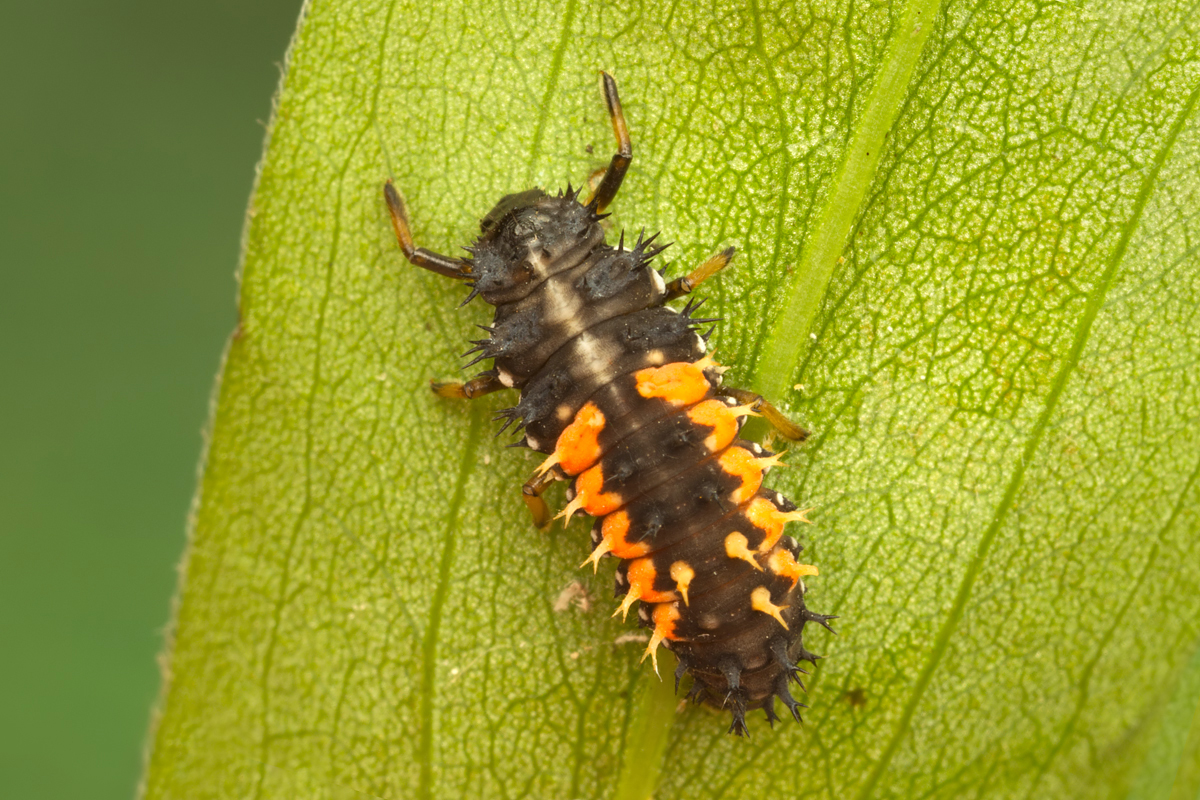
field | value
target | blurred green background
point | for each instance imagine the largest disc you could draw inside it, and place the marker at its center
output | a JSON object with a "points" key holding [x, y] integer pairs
{"points": [[129, 132]]}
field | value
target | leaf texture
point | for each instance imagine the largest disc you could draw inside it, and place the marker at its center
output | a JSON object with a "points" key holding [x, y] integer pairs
{"points": [[969, 261]]}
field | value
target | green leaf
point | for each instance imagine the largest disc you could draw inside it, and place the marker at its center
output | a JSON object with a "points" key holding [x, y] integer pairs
{"points": [[969, 248]]}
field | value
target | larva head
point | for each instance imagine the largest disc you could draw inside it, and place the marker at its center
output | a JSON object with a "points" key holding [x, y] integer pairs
{"points": [[526, 238]]}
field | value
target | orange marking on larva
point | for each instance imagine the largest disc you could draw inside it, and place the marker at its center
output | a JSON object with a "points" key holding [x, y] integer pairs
{"points": [[679, 383], [578, 446], [642, 574], [782, 563], [665, 617], [590, 497], [763, 515], [718, 416], [741, 463], [682, 573], [615, 529], [736, 546], [760, 600]]}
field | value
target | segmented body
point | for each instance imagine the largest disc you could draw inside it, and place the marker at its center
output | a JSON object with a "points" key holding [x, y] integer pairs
{"points": [[619, 391]]}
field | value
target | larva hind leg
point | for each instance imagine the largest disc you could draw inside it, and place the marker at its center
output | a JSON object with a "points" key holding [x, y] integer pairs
{"points": [[776, 418], [531, 493], [481, 384]]}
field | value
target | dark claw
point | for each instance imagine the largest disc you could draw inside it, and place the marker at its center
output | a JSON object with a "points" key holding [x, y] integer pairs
{"points": [[805, 655], [820, 619], [738, 727], [785, 696], [769, 710]]}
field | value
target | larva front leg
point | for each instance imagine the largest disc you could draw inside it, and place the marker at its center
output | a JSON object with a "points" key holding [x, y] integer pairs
{"points": [[419, 256]]}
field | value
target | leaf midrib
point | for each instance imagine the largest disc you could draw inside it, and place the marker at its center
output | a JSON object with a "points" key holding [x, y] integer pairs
{"points": [[803, 293]]}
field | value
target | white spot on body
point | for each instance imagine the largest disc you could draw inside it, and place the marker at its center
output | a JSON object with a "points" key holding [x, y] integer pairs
{"points": [[563, 412], [593, 360], [562, 308], [660, 287], [506, 378], [538, 263]]}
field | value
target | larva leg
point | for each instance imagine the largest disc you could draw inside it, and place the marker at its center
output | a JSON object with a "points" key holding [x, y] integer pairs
{"points": [[595, 178], [607, 191], [531, 493], [481, 384], [681, 286], [787, 428], [419, 256]]}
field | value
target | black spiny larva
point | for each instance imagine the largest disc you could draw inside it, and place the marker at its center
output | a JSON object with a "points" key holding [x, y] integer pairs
{"points": [[619, 391]]}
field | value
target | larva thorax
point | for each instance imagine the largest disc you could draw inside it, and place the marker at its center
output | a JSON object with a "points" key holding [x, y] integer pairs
{"points": [[543, 262]]}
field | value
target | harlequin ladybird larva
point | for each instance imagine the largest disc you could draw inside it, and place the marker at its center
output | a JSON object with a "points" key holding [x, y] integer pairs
{"points": [[620, 392]]}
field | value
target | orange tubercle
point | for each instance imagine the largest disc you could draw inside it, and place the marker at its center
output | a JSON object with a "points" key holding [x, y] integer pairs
{"points": [[760, 600], [665, 617], [679, 383], [783, 564], [597, 554], [736, 547], [763, 515], [682, 573], [642, 574], [590, 496]]}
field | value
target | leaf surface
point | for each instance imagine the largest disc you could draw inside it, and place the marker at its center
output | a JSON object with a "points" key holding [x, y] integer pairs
{"points": [[969, 262]]}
